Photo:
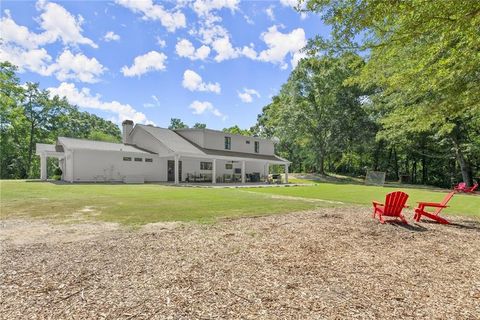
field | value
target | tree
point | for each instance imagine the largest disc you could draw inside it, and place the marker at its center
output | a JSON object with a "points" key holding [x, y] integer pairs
{"points": [[200, 125], [176, 123], [237, 130], [423, 57], [29, 115], [316, 115]]}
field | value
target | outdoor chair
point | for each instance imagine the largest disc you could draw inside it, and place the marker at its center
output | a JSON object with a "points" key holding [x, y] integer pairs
{"points": [[394, 204], [420, 210]]}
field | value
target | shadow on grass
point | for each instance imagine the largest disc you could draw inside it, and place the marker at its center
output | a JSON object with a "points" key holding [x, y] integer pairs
{"points": [[467, 225], [410, 227]]}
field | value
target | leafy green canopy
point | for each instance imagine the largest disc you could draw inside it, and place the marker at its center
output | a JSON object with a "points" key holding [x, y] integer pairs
{"points": [[423, 59], [29, 115]]}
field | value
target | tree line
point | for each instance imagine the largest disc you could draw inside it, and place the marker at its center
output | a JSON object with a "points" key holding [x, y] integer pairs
{"points": [[395, 88], [29, 115]]}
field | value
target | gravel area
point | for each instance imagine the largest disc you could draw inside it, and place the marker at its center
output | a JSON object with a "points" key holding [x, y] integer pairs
{"points": [[328, 264]]}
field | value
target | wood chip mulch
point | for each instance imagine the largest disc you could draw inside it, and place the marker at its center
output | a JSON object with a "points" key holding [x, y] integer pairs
{"points": [[326, 264]]}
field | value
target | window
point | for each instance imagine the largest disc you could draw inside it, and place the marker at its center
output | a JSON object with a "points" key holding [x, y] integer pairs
{"points": [[247, 142], [206, 166], [238, 170], [228, 143], [257, 146], [127, 158], [229, 166], [138, 159], [148, 160]]}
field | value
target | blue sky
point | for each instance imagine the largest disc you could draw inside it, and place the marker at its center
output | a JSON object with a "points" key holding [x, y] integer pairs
{"points": [[211, 61]]}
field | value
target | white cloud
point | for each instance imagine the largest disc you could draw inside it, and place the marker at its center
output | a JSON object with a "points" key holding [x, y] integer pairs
{"points": [[171, 20], [35, 60], [84, 99], [59, 24], [247, 95], [185, 48], [77, 67], [111, 36], [56, 23], [155, 103], [150, 61], [281, 44], [297, 56], [162, 43], [204, 7], [224, 49], [205, 106], [67, 66], [270, 13], [194, 82], [289, 3]]}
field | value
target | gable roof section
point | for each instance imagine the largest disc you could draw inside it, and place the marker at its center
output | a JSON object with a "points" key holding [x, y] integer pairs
{"points": [[72, 143], [172, 140]]}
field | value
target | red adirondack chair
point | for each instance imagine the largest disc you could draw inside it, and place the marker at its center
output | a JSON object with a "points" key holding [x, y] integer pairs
{"points": [[460, 187], [420, 210], [394, 204], [472, 188]]}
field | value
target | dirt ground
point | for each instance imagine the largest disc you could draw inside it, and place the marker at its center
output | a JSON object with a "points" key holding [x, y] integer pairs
{"points": [[327, 264]]}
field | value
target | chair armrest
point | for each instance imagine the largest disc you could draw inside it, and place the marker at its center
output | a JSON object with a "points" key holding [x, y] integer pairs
{"points": [[431, 204], [376, 203]]}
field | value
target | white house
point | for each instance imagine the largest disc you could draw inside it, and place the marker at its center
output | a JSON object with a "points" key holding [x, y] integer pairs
{"points": [[156, 154]]}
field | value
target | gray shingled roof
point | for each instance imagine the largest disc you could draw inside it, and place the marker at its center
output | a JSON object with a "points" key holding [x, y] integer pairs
{"points": [[226, 153], [72, 143], [171, 140]]}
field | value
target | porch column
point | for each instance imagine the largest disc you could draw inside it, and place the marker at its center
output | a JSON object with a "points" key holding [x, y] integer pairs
{"points": [[43, 166], [266, 169], [243, 171], [286, 173], [214, 171], [177, 157]]}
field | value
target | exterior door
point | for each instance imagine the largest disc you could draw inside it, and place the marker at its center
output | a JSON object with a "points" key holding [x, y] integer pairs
{"points": [[171, 170]]}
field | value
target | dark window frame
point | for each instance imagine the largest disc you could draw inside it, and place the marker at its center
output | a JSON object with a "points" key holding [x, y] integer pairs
{"points": [[205, 165], [228, 165], [257, 147], [228, 143], [138, 159], [148, 159], [127, 158]]}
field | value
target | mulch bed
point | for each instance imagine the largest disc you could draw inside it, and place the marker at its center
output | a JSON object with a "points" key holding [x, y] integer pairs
{"points": [[330, 263]]}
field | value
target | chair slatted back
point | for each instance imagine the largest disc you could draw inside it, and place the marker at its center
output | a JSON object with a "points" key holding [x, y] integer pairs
{"points": [[444, 202], [394, 203]]}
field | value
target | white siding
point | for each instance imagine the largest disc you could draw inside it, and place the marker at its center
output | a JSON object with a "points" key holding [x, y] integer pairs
{"points": [[93, 165], [216, 140]]}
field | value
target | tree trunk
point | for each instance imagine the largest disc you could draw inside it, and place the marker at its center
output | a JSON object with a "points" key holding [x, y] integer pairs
{"points": [[30, 149], [395, 158], [463, 163], [424, 170], [321, 163]]}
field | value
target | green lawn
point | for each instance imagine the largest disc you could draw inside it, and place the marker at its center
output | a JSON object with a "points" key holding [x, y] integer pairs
{"points": [[136, 204], [141, 204], [460, 204]]}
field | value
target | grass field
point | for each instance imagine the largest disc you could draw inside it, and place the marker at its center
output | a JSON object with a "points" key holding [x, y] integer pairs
{"points": [[136, 204], [460, 204], [141, 204]]}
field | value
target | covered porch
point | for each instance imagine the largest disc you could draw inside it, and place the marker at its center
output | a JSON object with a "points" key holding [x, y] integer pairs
{"points": [[46, 151], [220, 169]]}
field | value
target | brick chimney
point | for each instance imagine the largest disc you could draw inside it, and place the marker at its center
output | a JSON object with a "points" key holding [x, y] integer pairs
{"points": [[127, 127]]}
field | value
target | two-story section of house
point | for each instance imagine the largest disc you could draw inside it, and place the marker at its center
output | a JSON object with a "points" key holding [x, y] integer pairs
{"points": [[155, 154]]}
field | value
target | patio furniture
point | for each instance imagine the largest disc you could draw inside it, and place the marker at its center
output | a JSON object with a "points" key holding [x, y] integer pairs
{"points": [[394, 204], [420, 210]]}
